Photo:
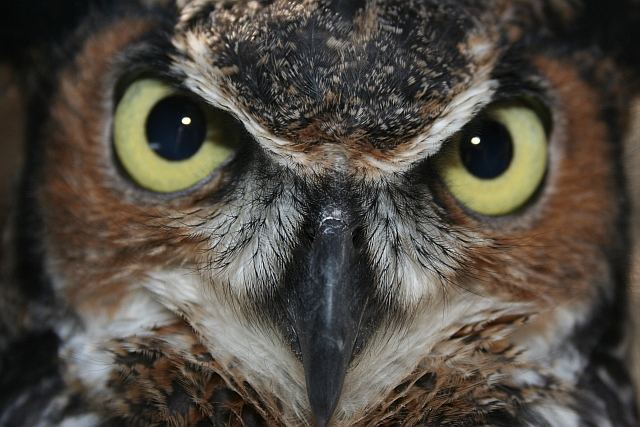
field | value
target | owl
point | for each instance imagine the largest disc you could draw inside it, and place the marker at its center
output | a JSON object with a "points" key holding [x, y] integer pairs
{"points": [[320, 213]]}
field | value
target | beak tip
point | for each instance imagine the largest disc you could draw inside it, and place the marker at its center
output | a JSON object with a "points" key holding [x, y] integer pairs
{"points": [[322, 414], [320, 422], [325, 376]]}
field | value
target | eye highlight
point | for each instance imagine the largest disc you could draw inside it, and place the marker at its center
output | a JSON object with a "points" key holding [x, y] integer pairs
{"points": [[167, 141], [495, 165]]}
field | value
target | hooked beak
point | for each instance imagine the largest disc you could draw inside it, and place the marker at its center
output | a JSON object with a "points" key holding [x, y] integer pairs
{"points": [[330, 303]]}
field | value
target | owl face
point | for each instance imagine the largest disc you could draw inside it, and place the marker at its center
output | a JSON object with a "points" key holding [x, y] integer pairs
{"points": [[336, 212]]}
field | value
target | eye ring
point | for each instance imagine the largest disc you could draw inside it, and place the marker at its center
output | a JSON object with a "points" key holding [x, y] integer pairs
{"points": [[167, 141], [504, 174]]}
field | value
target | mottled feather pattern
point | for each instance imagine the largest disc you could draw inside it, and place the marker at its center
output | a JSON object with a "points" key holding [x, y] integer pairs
{"points": [[175, 309]]}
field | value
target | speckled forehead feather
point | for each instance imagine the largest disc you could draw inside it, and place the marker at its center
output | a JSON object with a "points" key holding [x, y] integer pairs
{"points": [[365, 72]]}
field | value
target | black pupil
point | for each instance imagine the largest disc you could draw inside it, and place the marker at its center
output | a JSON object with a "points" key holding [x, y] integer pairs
{"points": [[176, 128], [486, 150]]}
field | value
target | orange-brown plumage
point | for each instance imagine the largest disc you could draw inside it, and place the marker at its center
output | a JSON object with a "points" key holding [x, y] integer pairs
{"points": [[191, 308]]}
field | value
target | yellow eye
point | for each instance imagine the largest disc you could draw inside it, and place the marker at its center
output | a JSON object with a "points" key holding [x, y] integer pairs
{"points": [[167, 141], [496, 164]]}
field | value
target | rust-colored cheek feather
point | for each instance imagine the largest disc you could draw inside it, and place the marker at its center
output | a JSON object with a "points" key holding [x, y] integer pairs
{"points": [[321, 213]]}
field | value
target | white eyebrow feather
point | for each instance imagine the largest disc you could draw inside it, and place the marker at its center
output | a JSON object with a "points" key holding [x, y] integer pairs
{"points": [[460, 111], [457, 114], [204, 80]]}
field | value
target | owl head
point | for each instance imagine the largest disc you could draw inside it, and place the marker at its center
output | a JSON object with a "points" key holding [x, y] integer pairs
{"points": [[320, 212]]}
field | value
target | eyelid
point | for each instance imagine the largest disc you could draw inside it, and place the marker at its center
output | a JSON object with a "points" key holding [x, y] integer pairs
{"points": [[125, 81], [530, 96]]}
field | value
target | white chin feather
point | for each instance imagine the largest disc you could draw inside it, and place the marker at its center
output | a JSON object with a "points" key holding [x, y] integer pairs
{"points": [[256, 353]]}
